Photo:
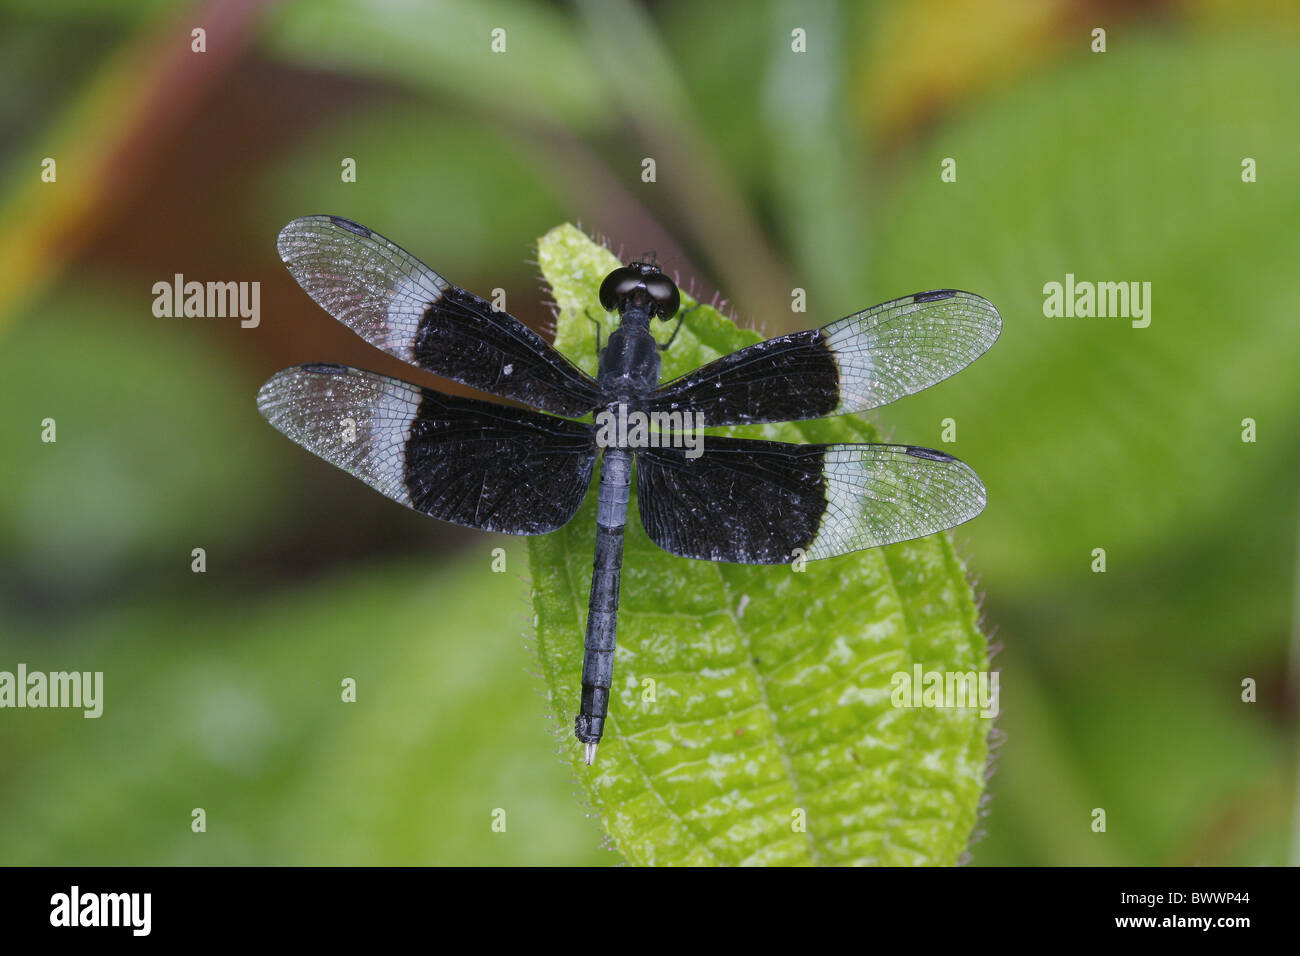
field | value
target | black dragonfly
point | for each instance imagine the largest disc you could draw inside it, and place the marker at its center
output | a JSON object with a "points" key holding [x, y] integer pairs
{"points": [[517, 471]]}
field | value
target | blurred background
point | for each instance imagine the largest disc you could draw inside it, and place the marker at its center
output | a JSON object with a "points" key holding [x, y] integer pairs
{"points": [[774, 170]]}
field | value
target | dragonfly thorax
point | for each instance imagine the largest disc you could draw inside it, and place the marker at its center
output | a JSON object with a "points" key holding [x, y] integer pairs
{"points": [[629, 362]]}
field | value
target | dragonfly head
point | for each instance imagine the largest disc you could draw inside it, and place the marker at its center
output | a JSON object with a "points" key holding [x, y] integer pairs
{"points": [[640, 285]]}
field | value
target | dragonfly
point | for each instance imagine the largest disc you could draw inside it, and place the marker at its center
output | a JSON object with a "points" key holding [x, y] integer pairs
{"points": [[526, 471]]}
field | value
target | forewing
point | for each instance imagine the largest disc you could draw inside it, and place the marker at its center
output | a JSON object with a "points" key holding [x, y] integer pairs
{"points": [[860, 362], [759, 502], [400, 305], [460, 460]]}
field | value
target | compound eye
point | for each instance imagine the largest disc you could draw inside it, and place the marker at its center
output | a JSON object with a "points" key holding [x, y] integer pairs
{"points": [[616, 285], [664, 292]]}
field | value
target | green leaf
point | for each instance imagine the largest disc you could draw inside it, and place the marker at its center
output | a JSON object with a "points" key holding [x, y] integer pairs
{"points": [[772, 689]]}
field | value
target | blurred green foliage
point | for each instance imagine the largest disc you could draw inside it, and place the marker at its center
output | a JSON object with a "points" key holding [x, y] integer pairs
{"points": [[237, 711], [481, 183], [1102, 435], [152, 446], [1120, 690]]}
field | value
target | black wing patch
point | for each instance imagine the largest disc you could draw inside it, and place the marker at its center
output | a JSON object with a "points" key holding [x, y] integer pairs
{"points": [[860, 362], [398, 304], [756, 502], [460, 460], [743, 500]]}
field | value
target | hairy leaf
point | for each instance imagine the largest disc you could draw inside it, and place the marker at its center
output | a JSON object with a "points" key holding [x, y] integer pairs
{"points": [[751, 719]]}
